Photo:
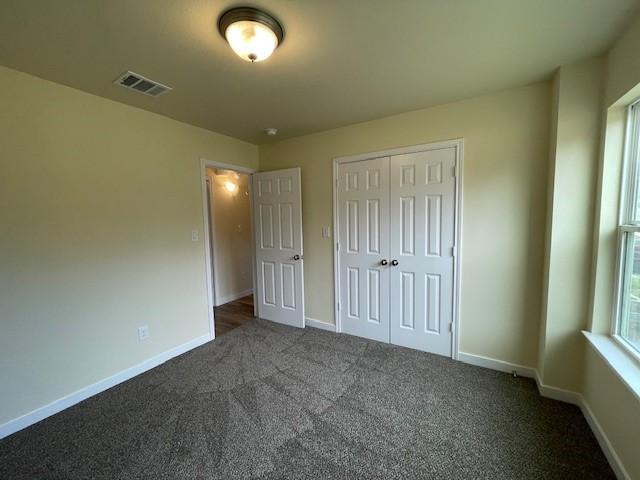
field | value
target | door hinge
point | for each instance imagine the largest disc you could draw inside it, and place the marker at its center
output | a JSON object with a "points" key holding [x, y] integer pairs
{"points": [[338, 306], [454, 171], [337, 246], [453, 251], [451, 327]]}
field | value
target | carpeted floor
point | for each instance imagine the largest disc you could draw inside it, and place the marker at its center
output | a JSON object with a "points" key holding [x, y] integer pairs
{"points": [[267, 401]]}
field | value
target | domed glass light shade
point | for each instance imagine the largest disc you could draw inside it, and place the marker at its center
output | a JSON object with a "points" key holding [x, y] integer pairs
{"points": [[251, 33]]}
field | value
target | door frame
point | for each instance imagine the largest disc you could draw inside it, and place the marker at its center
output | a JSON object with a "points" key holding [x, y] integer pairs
{"points": [[209, 243], [458, 144]]}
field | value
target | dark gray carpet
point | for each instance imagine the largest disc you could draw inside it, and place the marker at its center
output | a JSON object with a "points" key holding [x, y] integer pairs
{"points": [[267, 401]]}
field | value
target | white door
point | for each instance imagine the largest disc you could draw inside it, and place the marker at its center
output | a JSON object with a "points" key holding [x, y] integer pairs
{"points": [[277, 209], [363, 226], [422, 249]]}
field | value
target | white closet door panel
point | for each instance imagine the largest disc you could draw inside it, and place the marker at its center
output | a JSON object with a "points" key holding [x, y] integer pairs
{"points": [[363, 228], [422, 239], [277, 208]]}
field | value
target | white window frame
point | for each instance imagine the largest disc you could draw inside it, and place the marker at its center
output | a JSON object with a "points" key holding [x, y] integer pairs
{"points": [[627, 225]]}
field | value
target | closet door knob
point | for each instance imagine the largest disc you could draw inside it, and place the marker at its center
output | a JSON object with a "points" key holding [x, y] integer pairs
{"points": [[394, 263], [383, 262], [297, 257]]}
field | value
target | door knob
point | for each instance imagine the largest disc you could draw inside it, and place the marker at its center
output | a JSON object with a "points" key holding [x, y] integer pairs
{"points": [[297, 257], [383, 261], [394, 263]]}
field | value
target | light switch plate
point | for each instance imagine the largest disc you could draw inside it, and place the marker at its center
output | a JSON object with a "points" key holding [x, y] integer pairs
{"points": [[194, 235], [326, 232], [143, 332]]}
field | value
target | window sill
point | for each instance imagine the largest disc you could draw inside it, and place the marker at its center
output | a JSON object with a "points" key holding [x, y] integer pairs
{"points": [[620, 361]]}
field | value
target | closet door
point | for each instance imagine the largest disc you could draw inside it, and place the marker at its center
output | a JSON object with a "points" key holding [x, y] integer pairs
{"points": [[422, 241], [363, 228]]}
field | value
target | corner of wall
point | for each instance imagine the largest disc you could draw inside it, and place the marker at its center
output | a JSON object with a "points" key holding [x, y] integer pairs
{"points": [[575, 125]]}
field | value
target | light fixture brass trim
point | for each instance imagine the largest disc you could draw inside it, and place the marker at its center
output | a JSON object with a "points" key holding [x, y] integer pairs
{"points": [[238, 14]]}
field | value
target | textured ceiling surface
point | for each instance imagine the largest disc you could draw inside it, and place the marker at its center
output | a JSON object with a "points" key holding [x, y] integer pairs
{"points": [[342, 61]]}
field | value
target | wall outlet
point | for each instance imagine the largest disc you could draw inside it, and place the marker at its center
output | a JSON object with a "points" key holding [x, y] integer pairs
{"points": [[143, 332], [194, 235]]}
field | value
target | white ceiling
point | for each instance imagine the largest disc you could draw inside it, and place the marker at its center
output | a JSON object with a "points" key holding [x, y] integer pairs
{"points": [[342, 61]]}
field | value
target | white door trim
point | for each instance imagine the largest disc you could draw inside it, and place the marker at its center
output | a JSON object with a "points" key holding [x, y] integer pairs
{"points": [[209, 242], [458, 144], [212, 238]]}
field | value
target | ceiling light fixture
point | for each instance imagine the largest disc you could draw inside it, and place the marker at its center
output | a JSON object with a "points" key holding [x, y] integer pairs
{"points": [[230, 186], [251, 33]]}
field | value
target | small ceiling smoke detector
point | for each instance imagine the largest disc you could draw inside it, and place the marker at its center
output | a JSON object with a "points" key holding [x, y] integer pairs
{"points": [[272, 132], [138, 83]]}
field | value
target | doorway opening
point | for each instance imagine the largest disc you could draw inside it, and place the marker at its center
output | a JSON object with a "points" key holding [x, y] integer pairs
{"points": [[229, 245]]}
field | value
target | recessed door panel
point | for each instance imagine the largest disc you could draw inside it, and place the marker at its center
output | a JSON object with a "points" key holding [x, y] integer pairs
{"points": [[269, 283], [407, 303], [407, 225], [353, 226], [353, 292], [432, 298], [433, 225], [373, 179], [288, 279], [265, 186], [285, 184], [373, 226], [265, 226], [373, 295], [286, 226]]}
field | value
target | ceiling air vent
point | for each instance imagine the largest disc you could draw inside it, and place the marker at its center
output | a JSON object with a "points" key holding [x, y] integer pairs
{"points": [[140, 84]]}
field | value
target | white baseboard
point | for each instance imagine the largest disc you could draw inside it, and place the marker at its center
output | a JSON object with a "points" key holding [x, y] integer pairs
{"points": [[233, 296], [312, 322], [67, 401], [495, 364], [603, 441], [567, 396], [555, 393]]}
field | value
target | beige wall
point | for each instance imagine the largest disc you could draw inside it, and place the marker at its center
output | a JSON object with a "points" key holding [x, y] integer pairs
{"points": [[612, 403], [97, 204], [505, 173], [623, 64], [232, 238], [575, 134], [616, 409]]}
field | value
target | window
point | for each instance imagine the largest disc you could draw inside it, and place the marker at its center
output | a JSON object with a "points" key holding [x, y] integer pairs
{"points": [[627, 325]]}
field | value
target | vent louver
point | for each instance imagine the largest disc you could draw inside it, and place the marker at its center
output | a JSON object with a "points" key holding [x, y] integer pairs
{"points": [[138, 83]]}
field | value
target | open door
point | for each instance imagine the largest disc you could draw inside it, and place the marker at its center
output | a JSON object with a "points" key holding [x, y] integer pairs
{"points": [[277, 209]]}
